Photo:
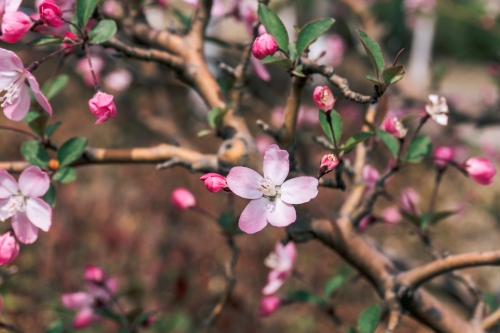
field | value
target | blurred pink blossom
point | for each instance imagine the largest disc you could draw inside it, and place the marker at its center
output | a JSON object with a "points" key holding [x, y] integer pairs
{"points": [[410, 200], [9, 248], [268, 305], [365, 223], [332, 47], [442, 155], [391, 215], [119, 80], [263, 141], [83, 69], [102, 106], [14, 26], [182, 198], [370, 176], [481, 170], [281, 261], [394, 127], [218, 7], [260, 69]]}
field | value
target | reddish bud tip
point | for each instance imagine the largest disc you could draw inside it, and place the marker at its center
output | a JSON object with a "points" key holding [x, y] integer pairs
{"points": [[323, 98], [264, 46]]}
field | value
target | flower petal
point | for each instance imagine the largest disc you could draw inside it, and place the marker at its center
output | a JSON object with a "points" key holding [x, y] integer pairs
{"points": [[244, 182], [275, 280], [10, 64], [20, 106], [260, 69], [77, 300], [12, 5], [276, 164], [33, 182], [84, 318], [39, 212], [299, 190], [4, 213], [280, 214], [253, 217], [8, 185], [40, 98], [25, 231]]}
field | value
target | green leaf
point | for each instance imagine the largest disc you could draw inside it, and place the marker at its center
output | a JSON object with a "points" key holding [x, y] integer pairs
{"points": [[392, 75], [336, 122], [351, 330], [34, 154], [333, 284], [420, 147], [298, 71], [369, 319], [50, 196], [415, 219], [71, 150], [325, 125], [436, 217], [273, 25], [72, 28], [277, 61], [304, 296], [226, 221], [409, 118], [84, 10], [292, 51], [204, 132], [214, 116], [51, 128], [103, 31], [185, 20], [491, 301], [389, 141], [31, 115], [52, 88], [65, 175], [55, 327], [371, 78], [355, 139], [374, 52], [45, 40], [311, 31]]}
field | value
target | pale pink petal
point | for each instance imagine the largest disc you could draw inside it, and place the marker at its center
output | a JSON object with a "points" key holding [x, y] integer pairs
{"points": [[244, 182], [39, 213], [4, 213], [280, 214], [286, 254], [20, 106], [260, 69], [299, 190], [77, 300], [253, 217], [12, 5], [112, 285], [40, 98], [11, 68], [33, 182], [8, 185], [275, 280], [84, 318], [25, 231], [276, 164]]}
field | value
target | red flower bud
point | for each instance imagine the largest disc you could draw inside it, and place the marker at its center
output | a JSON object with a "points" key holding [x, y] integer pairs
{"points": [[214, 182], [323, 98], [14, 26], [182, 199], [50, 13], [264, 46], [480, 170], [9, 248], [102, 106], [394, 127], [269, 305], [328, 163], [441, 156]]}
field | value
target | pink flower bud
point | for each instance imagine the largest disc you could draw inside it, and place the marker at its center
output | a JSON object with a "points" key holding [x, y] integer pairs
{"points": [[182, 199], [269, 305], [264, 46], [394, 127], [370, 175], [391, 215], [14, 26], [68, 36], [410, 200], [365, 223], [214, 182], [50, 13], [102, 106], [323, 98], [9, 248], [481, 170], [94, 274], [262, 30], [442, 155], [328, 163]]}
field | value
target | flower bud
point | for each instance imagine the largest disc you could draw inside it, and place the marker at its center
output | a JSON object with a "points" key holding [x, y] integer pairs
{"points": [[410, 200], [182, 199], [365, 223], [14, 26], [264, 46], [323, 98], [441, 156], [102, 106], [328, 163], [50, 13], [269, 305], [94, 274], [9, 248], [480, 170], [391, 215], [54, 164], [370, 175], [394, 127], [214, 182]]}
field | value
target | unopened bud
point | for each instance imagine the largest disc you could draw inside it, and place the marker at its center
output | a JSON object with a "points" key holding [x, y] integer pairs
{"points": [[182, 199], [442, 155], [269, 305], [50, 13], [328, 163], [9, 248], [214, 182], [480, 170], [323, 98], [54, 164], [94, 274], [264, 46], [394, 127]]}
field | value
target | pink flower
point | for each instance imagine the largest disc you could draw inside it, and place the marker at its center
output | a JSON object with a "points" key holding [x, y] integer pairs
{"points": [[22, 202], [50, 13], [394, 127], [365, 223], [13, 76], [272, 197], [182, 199], [118, 80], [94, 274], [9, 248], [328, 163], [264, 46], [68, 38], [269, 305], [83, 69], [246, 11], [162, 3], [214, 182], [410, 200], [323, 98], [82, 302], [9, 6], [263, 141], [370, 175], [281, 261], [218, 7], [480, 170], [14, 26], [442, 155], [330, 48], [391, 215], [102, 106], [437, 108], [260, 69]]}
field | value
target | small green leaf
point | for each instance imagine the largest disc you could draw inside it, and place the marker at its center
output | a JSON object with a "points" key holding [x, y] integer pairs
{"points": [[273, 25], [409, 118], [374, 52], [34, 154], [424, 220], [214, 116], [415, 219], [355, 139], [50, 129], [292, 51], [226, 221], [325, 125], [84, 10], [420, 147], [369, 319], [304, 296], [389, 141], [52, 88], [45, 40], [72, 28], [436, 217], [491, 301], [333, 284], [103, 31], [311, 31], [71, 150], [351, 330], [298, 71], [392, 75], [31, 115], [55, 327], [50, 196], [374, 80], [65, 175], [204, 132], [336, 121], [185, 20], [277, 61]]}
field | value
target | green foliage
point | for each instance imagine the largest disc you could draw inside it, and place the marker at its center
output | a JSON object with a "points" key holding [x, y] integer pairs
{"points": [[336, 123], [436, 217], [45, 40], [374, 52], [53, 87], [369, 319], [50, 196], [185, 20], [178, 322], [273, 25], [392, 75], [84, 10], [55, 327], [292, 51], [325, 125], [214, 116], [103, 31], [204, 132], [51, 128], [333, 284], [303, 296], [355, 139], [71, 150], [36, 121], [311, 31], [389, 141], [34, 154], [65, 175], [270, 60], [420, 147], [226, 221]]}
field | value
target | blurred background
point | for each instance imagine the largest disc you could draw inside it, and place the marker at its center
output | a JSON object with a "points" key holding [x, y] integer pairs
{"points": [[119, 217]]}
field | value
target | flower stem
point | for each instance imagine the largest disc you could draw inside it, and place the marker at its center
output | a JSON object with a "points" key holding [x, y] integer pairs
{"points": [[94, 77], [34, 65]]}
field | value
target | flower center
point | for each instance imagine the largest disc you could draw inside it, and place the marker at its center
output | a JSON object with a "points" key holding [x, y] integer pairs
{"points": [[16, 203], [274, 262], [268, 189], [12, 91]]}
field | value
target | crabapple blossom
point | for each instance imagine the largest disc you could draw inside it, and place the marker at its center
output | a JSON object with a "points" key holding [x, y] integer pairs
{"points": [[9, 248], [21, 202], [246, 11], [394, 127], [83, 68], [480, 170], [442, 155], [410, 200], [437, 108], [218, 7], [50, 13], [14, 26], [391, 215], [264, 46], [118, 80], [268, 305], [370, 175], [214, 182], [9, 6], [365, 223], [14, 81], [323, 98], [281, 261], [263, 141], [328, 50], [328, 163], [272, 197], [182, 199], [260, 69], [102, 106]]}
